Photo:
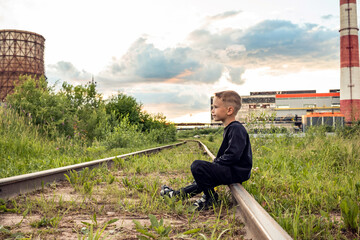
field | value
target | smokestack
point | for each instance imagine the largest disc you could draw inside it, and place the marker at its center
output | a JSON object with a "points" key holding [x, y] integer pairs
{"points": [[349, 61]]}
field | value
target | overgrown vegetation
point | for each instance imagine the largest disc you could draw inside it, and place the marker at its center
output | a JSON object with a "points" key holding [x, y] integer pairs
{"points": [[42, 129], [123, 203], [309, 183]]}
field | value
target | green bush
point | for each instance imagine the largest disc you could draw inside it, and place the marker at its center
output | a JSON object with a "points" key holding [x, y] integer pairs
{"points": [[124, 135], [120, 106], [79, 112], [163, 135], [75, 112], [42, 129]]}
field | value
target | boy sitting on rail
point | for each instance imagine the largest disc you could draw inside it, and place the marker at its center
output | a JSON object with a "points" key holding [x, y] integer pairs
{"points": [[233, 162]]}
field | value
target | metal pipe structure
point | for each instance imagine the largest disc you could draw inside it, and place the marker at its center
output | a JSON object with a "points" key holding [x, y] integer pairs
{"points": [[21, 53], [349, 62]]}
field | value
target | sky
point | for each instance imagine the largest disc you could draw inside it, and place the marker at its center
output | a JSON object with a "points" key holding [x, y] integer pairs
{"points": [[172, 56]]}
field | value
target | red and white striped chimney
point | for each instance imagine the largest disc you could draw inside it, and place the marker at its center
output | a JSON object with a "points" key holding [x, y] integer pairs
{"points": [[349, 61]]}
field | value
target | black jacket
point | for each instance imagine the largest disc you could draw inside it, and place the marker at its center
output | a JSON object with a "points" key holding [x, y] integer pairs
{"points": [[235, 152]]}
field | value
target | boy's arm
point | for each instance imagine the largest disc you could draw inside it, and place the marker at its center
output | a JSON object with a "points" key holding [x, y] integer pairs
{"points": [[235, 148]]}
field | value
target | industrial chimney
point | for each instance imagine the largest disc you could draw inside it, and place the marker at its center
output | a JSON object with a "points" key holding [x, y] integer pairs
{"points": [[349, 62]]}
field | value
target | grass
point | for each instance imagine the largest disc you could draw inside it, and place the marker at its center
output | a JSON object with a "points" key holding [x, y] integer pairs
{"points": [[310, 185], [24, 150], [101, 202]]}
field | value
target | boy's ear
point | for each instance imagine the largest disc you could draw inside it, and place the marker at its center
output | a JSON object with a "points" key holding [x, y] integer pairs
{"points": [[230, 110]]}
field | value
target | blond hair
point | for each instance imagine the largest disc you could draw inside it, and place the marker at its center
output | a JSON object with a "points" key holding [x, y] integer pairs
{"points": [[231, 98]]}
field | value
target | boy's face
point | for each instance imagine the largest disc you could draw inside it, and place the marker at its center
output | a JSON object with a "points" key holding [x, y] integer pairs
{"points": [[219, 111]]}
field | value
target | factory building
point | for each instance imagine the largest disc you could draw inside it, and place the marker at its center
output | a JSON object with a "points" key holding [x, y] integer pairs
{"points": [[287, 105], [290, 105]]}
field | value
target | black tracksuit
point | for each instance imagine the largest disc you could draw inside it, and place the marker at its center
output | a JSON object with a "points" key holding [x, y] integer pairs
{"points": [[232, 164]]}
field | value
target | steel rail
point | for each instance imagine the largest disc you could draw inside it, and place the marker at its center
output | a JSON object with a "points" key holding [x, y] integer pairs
{"points": [[21, 184], [260, 224]]}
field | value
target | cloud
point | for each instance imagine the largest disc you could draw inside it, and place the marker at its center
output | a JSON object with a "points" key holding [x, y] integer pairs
{"points": [[235, 74], [173, 95], [66, 71], [210, 20], [204, 39], [175, 99], [279, 37], [152, 63], [224, 15], [143, 62], [200, 61], [327, 17], [278, 44], [208, 73], [281, 41], [271, 43]]}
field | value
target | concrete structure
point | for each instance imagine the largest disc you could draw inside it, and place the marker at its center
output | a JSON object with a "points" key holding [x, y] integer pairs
{"points": [[21, 53], [323, 118], [349, 61]]}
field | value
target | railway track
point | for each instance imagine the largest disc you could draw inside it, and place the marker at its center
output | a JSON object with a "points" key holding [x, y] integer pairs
{"points": [[258, 223]]}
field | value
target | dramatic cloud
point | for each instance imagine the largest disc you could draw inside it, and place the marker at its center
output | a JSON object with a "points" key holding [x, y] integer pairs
{"points": [[283, 38], [151, 63], [145, 63], [283, 42], [271, 43]]}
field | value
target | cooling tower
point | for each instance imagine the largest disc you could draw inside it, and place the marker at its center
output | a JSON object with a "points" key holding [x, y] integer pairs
{"points": [[22, 53]]}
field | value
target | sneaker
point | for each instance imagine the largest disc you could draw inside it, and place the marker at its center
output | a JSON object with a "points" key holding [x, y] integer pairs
{"points": [[167, 191], [204, 203]]}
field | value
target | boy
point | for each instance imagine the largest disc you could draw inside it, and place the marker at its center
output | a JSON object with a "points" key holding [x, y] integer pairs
{"points": [[233, 162]]}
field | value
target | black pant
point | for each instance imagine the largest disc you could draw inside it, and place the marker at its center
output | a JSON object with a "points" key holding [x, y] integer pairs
{"points": [[207, 175]]}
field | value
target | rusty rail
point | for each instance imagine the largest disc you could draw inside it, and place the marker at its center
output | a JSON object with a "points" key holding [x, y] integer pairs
{"points": [[16, 185]]}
